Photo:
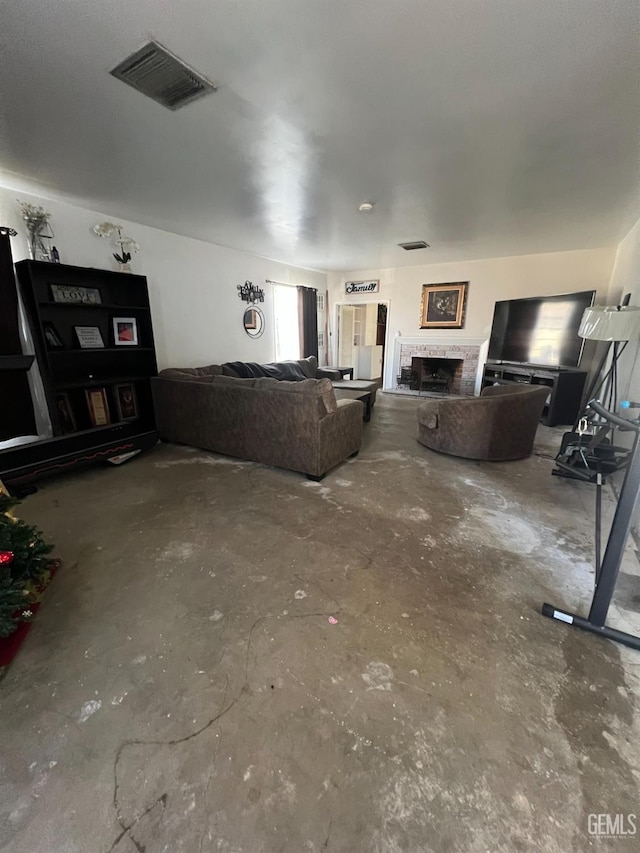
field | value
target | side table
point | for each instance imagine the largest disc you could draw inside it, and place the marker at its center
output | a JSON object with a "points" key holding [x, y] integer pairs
{"points": [[344, 371]]}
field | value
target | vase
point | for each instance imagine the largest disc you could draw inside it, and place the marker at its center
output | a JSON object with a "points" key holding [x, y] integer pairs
{"points": [[124, 267], [38, 250]]}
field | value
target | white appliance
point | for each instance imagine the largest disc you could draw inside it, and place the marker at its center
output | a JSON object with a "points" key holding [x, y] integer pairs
{"points": [[369, 364]]}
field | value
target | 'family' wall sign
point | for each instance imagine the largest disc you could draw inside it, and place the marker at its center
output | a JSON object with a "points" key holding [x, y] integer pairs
{"points": [[362, 286]]}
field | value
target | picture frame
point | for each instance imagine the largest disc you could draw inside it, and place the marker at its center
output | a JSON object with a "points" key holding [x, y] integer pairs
{"points": [[75, 294], [51, 336], [65, 414], [443, 306], [125, 331], [89, 337], [98, 406], [126, 401]]}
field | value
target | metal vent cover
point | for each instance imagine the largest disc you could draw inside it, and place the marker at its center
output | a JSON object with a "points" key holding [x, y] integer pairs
{"points": [[417, 244], [161, 76]]}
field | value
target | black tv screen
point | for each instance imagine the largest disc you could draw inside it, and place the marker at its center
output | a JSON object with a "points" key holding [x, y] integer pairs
{"points": [[540, 330]]}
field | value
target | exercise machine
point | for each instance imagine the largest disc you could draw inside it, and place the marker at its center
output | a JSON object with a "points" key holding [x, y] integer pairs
{"points": [[607, 570]]}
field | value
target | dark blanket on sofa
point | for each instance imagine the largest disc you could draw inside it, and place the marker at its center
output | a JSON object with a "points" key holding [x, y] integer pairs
{"points": [[289, 370]]}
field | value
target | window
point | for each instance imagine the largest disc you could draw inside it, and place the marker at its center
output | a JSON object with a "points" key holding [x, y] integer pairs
{"points": [[285, 304]]}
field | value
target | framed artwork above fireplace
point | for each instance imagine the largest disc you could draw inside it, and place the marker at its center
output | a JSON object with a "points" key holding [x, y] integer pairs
{"points": [[443, 306]]}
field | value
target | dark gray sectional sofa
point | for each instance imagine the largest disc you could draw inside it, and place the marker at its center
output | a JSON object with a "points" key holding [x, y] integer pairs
{"points": [[297, 425]]}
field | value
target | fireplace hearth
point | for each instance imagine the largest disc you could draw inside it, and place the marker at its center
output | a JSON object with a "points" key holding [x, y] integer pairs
{"points": [[436, 374]]}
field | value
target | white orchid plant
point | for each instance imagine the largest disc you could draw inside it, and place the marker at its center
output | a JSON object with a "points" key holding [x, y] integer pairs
{"points": [[126, 244], [36, 219]]}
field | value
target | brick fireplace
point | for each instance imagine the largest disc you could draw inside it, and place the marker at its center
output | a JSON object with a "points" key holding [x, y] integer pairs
{"points": [[464, 360], [436, 374]]}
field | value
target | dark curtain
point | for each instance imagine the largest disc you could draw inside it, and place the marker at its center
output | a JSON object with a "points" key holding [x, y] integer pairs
{"points": [[308, 321]]}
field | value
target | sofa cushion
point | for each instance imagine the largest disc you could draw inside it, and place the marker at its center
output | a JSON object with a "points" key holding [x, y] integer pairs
{"points": [[234, 382], [308, 366], [290, 370], [287, 370], [319, 388], [200, 374]]}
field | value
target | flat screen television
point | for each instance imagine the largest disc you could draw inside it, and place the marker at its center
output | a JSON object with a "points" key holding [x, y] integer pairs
{"points": [[540, 330]]}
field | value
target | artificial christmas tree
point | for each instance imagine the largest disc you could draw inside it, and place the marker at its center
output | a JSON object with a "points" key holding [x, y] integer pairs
{"points": [[25, 567]]}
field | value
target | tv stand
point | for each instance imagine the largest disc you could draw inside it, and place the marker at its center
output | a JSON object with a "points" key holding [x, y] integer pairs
{"points": [[565, 385]]}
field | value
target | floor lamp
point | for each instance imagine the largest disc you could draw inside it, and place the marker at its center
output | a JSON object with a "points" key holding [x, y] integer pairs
{"points": [[616, 325], [585, 453]]}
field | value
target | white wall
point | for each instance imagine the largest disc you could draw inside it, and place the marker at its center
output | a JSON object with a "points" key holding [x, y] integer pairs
{"points": [[625, 278], [489, 280], [197, 315]]}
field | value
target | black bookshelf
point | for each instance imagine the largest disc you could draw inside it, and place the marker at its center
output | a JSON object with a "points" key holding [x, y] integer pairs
{"points": [[16, 411], [96, 376]]}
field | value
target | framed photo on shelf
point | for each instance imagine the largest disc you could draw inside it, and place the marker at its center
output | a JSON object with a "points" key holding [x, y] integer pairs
{"points": [[65, 414], [51, 336], [98, 406], [126, 402], [73, 293], [125, 331], [443, 306], [89, 337]]}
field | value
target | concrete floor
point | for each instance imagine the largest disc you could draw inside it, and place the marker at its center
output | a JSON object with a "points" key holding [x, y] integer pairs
{"points": [[184, 690]]}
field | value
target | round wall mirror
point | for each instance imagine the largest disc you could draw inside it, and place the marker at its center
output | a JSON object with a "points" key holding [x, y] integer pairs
{"points": [[253, 321]]}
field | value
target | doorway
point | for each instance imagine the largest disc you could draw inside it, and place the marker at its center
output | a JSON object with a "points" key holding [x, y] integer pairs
{"points": [[362, 335]]}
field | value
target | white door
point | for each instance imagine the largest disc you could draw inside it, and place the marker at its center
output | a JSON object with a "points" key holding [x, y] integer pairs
{"points": [[346, 331]]}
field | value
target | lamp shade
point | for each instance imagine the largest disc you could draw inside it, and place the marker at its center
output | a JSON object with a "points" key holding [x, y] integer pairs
{"points": [[610, 323]]}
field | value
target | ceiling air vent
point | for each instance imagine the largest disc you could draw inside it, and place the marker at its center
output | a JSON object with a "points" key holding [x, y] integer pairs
{"points": [[417, 244], [161, 76]]}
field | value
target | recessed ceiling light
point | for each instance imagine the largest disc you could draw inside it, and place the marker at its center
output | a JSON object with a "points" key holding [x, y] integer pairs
{"points": [[365, 207]]}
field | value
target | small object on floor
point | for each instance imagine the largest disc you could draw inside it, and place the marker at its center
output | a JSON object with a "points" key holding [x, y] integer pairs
{"points": [[122, 457], [333, 620]]}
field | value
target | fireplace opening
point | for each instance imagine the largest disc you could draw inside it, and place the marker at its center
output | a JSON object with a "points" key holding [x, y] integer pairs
{"points": [[436, 374]]}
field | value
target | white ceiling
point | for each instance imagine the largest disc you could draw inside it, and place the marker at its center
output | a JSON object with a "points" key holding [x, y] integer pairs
{"points": [[485, 127]]}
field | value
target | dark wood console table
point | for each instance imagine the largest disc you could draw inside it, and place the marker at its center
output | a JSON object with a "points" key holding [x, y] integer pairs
{"points": [[566, 386]]}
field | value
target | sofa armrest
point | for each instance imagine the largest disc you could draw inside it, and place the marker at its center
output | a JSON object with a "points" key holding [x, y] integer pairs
{"points": [[428, 414], [340, 435], [328, 373]]}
